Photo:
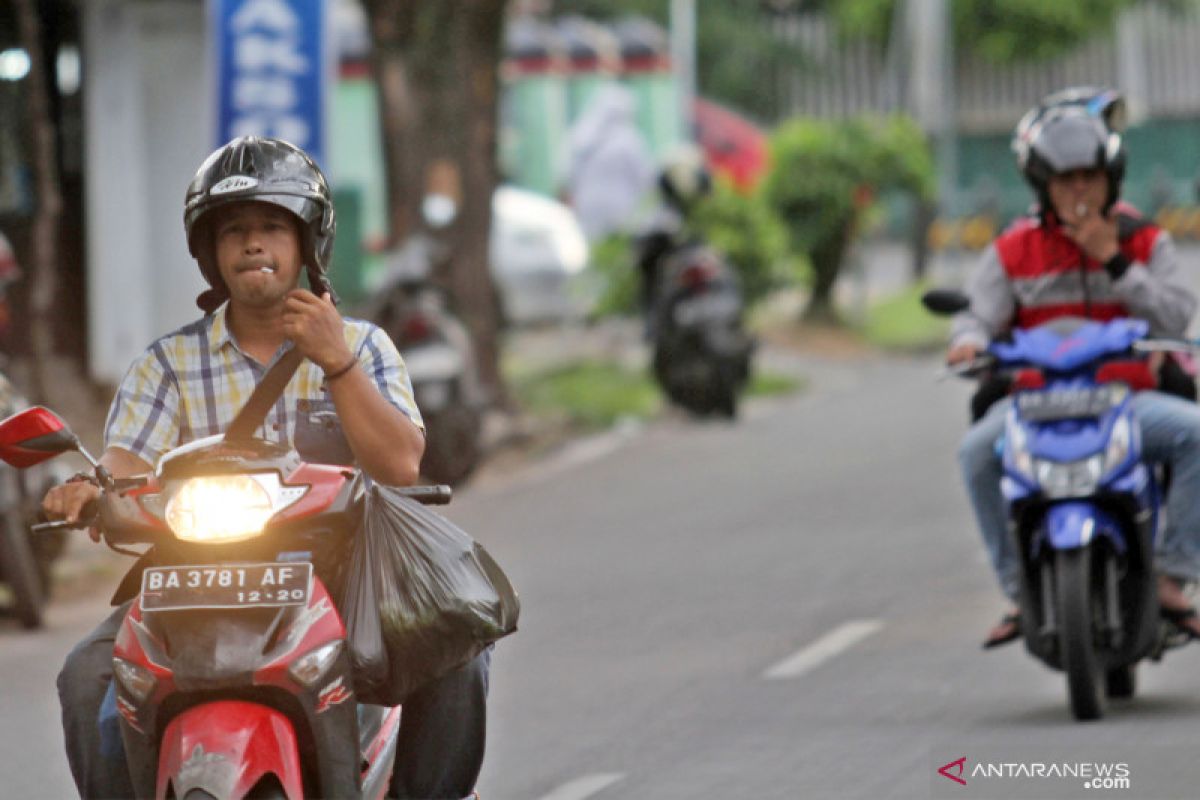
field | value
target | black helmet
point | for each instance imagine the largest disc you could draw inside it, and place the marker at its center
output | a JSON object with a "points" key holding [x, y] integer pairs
{"points": [[266, 171], [1064, 138]]}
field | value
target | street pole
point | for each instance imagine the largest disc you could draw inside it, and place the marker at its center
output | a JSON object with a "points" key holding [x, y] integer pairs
{"points": [[683, 60]]}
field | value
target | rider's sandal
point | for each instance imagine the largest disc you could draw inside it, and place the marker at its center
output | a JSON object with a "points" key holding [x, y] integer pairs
{"points": [[1007, 630], [1179, 617]]}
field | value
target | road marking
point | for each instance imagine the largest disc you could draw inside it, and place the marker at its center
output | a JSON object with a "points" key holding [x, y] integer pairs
{"points": [[831, 644], [586, 786]]}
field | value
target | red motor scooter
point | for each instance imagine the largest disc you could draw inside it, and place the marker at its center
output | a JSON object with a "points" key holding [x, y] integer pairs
{"points": [[231, 671]]}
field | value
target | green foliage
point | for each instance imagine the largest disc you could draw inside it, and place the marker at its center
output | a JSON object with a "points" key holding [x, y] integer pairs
{"points": [[590, 394], [744, 228], [773, 384], [595, 394], [614, 266], [826, 174], [1002, 31], [900, 322]]}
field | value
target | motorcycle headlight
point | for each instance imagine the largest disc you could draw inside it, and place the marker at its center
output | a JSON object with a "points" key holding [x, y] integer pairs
{"points": [[1072, 479], [227, 508]]}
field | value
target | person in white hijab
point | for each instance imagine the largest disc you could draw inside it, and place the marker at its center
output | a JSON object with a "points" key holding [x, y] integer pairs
{"points": [[609, 166]]}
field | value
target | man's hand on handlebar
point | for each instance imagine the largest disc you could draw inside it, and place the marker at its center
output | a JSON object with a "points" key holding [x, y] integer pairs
{"points": [[66, 502], [962, 354]]}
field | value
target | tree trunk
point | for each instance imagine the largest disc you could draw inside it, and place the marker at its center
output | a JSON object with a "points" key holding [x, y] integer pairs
{"points": [[436, 64], [43, 279], [827, 257]]}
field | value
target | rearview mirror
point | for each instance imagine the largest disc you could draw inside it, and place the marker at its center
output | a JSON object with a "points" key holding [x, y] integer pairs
{"points": [[945, 301], [35, 435]]}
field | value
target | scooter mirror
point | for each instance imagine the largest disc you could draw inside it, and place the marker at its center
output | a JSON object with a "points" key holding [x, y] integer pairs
{"points": [[35, 435], [945, 301], [438, 210]]}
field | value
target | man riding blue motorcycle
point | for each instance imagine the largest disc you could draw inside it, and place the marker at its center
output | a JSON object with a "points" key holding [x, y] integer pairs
{"points": [[1085, 254]]}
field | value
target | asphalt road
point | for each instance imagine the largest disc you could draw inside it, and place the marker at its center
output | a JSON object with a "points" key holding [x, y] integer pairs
{"points": [[786, 607]]}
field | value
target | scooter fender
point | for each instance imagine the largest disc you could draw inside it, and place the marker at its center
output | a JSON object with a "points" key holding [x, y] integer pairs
{"points": [[1076, 524], [225, 748]]}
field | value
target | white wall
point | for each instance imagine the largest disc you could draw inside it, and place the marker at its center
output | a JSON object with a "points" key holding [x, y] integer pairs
{"points": [[149, 122]]}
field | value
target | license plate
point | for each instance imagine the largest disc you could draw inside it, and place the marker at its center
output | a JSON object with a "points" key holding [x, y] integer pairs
{"points": [[707, 306], [226, 586], [1055, 404]]}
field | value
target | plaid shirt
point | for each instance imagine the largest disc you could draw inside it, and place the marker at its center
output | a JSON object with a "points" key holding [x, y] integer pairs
{"points": [[191, 383]]}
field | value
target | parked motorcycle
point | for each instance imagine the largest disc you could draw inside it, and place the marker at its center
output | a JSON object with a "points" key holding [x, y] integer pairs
{"points": [[701, 352], [440, 359], [26, 559], [232, 675], [1084, 508]]}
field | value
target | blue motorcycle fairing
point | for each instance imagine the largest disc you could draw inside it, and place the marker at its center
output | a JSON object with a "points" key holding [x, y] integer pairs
{"points": [[1063, 351], [1075, 439], [1075, 524]]}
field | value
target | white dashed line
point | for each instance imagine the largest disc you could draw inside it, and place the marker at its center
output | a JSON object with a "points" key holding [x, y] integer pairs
{"points": [[584, 787], [831, 644]]}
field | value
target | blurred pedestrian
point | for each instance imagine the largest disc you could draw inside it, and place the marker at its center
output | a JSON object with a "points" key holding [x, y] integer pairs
{"points": [[609, 166]]}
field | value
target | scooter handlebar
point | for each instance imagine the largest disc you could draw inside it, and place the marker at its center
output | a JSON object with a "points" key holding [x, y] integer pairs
{"points": [[438, 495]]}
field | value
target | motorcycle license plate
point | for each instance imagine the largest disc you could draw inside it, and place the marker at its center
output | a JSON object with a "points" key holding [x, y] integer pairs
{"points": [[226, 586], [705, 306], [1055, 404]]}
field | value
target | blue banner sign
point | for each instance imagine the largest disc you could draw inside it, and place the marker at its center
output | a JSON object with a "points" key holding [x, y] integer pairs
{"points": [[273, 69]]}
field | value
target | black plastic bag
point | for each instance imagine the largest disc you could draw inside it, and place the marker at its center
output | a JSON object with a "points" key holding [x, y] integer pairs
{"points": [[419, 598]]}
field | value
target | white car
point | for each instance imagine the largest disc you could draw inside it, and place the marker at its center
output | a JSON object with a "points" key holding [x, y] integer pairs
{"points": [[538, 255]]}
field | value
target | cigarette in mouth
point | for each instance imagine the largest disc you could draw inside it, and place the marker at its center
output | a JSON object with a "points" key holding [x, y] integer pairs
{"points": [[1081, 210]]}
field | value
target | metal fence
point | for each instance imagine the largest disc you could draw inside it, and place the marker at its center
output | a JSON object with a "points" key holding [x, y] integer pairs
{"points": [[1153, 55]]}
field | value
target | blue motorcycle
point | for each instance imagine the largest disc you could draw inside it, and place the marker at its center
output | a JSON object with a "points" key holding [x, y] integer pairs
{"points": [[1084, 510]]}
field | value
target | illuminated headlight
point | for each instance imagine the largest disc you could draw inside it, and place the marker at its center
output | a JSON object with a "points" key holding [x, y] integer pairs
{"points": [[227, 508], [1073, 479], [135, 679], [1016, 446], [310, 667]]}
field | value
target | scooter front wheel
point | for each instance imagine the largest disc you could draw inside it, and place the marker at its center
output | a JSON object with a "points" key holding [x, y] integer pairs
{"points": [[1077, 608]]}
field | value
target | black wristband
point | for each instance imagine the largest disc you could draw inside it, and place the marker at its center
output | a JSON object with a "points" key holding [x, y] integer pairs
{"points": [[1117, 265], [330, 376], [83, 477]]}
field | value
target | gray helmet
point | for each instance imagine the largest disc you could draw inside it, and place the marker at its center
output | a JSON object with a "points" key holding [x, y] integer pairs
{"points": [[251, 168], [1066, 138]]}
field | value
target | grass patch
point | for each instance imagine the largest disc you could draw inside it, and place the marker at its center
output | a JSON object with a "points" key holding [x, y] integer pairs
{"points": [[594, 394], [772, 384], [901, 323], [590, 394]]}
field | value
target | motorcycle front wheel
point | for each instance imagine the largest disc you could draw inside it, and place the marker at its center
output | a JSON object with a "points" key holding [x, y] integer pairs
{"points": [[1078, 606]]}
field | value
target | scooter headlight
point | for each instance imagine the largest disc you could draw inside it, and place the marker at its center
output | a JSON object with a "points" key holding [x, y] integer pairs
{"points": [[1072, 479], [227, 508], [136, 680]]}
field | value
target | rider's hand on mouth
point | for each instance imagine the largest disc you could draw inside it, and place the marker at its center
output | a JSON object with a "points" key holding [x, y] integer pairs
{"points": [[1095, 233]]}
